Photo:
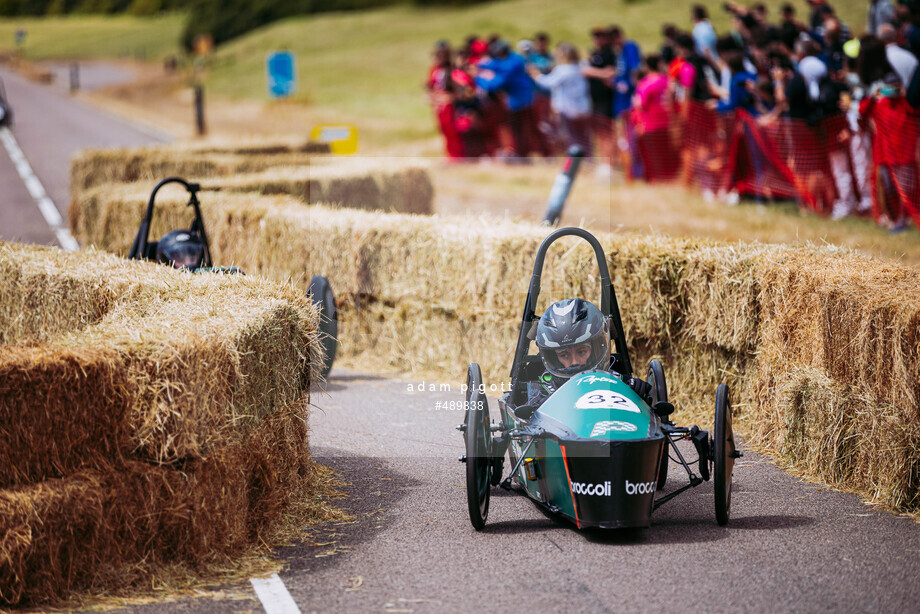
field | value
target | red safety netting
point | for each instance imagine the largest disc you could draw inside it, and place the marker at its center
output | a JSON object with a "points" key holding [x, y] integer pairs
{"points": [[706, 146], [820, 166], [788, 158], [723, 152], [895, 129]]}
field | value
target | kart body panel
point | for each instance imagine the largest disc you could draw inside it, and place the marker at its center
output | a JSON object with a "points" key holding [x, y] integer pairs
{"points": [[594, 452], [597, 459]]}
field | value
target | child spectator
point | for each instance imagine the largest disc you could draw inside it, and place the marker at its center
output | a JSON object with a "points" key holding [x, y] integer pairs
{"points": [[659, 158], [569, 96], [441, 86]]}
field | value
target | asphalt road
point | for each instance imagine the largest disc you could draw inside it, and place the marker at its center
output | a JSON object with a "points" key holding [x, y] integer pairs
{"points": [[791, 546], [50, 127]]}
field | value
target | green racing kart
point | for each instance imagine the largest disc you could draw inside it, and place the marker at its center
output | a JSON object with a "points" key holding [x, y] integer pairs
{"points": [[594, 452]]}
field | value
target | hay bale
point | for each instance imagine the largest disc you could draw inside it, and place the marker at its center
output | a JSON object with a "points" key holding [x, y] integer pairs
{"points": [[366, 183], [840, 435], [164, 421], [99, 212], [197, 356], [854, 318], [31, 70], [93, 167], [51, 421], [109, 530], [721, 289], [38, 302]]}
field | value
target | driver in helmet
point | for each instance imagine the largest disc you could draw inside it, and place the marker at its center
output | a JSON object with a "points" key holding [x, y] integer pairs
{"points": [[181, 248], [573, 336]]}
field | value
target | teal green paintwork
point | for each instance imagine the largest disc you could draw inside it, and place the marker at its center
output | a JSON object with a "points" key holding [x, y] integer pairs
{"points": [[557, 483], [598, 405]]}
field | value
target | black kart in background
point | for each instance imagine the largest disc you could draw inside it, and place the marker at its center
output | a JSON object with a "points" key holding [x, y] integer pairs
{"points": [[190, 249]]}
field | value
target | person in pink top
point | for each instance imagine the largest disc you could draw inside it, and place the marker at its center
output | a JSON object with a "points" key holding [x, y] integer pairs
{"points": [[659, 159], [651, 93]]}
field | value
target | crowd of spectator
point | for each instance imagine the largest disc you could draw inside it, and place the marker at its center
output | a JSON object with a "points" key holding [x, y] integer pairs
{"points": [[617, 103]]}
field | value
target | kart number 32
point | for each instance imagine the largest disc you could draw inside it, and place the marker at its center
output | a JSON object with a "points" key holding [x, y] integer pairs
{"points": [[606, 399]]}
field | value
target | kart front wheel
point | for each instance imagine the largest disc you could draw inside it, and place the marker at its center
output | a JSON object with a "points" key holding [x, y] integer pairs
{"points": [[655, 378], [478, 448], [724, 453], [320, 293]]}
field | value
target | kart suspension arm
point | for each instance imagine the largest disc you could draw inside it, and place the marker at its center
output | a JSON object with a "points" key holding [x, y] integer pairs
{"points": [[534, 433], [694, 481], [683, 461]]}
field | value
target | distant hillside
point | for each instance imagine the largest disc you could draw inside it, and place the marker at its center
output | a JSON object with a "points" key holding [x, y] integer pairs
{"points": [[221, 19]]}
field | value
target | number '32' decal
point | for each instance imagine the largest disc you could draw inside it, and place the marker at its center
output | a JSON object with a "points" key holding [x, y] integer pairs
{"points": [[606, 399]]}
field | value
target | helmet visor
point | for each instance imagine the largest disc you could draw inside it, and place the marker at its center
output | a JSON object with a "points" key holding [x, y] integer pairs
{"points": [[568, 360], [181, 250]]}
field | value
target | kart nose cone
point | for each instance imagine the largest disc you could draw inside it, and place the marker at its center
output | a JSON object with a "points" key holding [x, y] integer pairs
{"points": [[612, 484]]}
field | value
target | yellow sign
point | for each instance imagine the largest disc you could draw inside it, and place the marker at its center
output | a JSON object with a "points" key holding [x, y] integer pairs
{"points": [[342, 138]]}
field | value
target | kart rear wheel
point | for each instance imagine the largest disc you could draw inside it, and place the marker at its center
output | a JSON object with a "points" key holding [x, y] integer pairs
{"points": [[320, 293], [723, 454], [478, 449], [656, 380]]}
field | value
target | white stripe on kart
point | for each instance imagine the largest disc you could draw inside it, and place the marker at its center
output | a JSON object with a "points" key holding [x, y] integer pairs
{"points": [[34, 186], [274, 595]]}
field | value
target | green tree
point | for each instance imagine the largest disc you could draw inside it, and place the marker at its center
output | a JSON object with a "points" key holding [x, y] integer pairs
{"points": [[33, 7], [9, 8], [146, 7]]}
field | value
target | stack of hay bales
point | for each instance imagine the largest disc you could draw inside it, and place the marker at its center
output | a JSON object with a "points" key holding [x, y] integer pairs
{"points": [[376, 185], [839, 386], [147, 417], [388, 184], [820, 345], [93, 167]]}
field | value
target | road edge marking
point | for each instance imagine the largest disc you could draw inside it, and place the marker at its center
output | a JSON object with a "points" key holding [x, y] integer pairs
{"points": [[45, 205], [274, 595]]}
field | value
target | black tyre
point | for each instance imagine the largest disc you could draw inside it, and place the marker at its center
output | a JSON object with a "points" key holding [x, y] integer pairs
{"points": [[478, 449], [656, 380], [6, 114], [723, 454], [320, 293]]}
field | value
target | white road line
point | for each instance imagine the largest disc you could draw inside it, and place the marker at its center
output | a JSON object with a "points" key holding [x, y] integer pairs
{"points": [[34, 186], [274, 595]]}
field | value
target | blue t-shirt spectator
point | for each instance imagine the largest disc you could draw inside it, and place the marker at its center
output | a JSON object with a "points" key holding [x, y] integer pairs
{"points": [[628, 62], [509, 76], [739, 97]]}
